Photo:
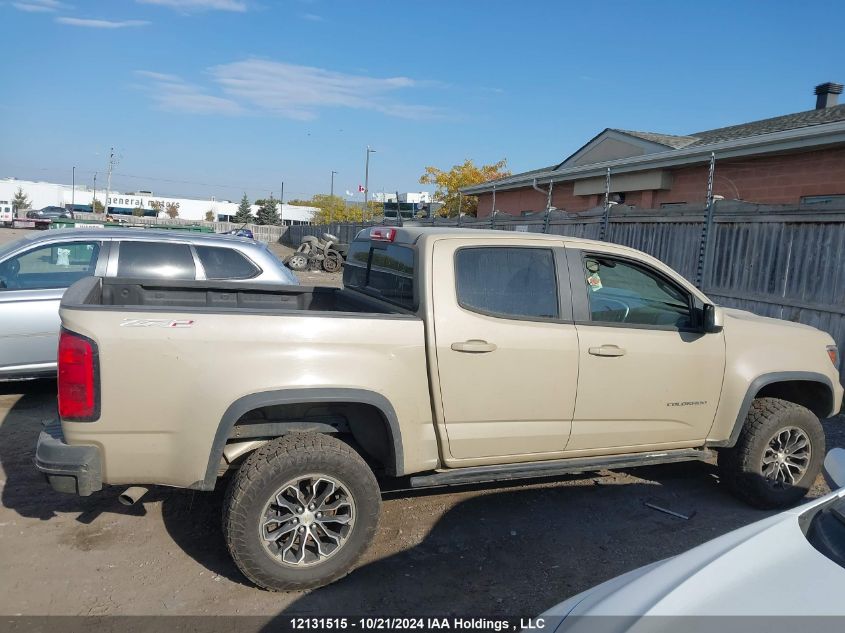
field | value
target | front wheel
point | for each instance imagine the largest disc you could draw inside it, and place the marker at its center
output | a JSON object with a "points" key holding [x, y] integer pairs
{"points": [[300, 512], [778, 454]]}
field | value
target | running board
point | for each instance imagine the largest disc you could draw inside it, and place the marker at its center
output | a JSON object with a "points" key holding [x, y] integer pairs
{"points": [[553, 467]]}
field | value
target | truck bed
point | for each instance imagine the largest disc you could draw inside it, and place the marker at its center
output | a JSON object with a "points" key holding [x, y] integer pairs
{"points": [[216, 296]]}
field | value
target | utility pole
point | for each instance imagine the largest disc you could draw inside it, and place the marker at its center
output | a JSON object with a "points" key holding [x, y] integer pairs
{"points": [[73, 190], [282, 205], [366, 183], [94, 201], [108, 185], [331, 198]]}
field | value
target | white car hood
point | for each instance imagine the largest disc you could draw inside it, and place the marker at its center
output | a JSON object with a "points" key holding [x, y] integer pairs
{"points": [[766, 568]]}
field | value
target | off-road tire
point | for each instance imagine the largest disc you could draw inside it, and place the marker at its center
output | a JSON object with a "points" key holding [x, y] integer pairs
{"points": [[740, 466], [268, 468]]}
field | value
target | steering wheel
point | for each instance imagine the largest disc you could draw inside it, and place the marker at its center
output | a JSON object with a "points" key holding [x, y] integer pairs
{"points": [[607, 301]]}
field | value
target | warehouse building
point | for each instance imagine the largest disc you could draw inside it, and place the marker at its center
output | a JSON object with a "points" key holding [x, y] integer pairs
{"points": [[793, 159], [45, 194]]}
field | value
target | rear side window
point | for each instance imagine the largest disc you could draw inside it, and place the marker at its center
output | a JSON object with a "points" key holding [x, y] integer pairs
{"points": [[225, 263], [507, 281], [156, 259], [383, 270]]}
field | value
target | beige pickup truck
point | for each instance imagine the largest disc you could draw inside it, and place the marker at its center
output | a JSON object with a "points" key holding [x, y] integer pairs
{"points": [[449, 356]]}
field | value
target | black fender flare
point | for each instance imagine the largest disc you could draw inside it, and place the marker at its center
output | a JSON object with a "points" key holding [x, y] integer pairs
{"points": [[245, 404], [754, 388]]}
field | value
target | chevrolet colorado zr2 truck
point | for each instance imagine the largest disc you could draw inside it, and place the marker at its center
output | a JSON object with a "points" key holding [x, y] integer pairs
{"points": [[449, 356]]}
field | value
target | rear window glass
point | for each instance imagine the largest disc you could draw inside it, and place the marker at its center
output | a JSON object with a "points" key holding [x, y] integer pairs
{"points": [[157, 260], [507, 281], [225, 263], [383, 270]]}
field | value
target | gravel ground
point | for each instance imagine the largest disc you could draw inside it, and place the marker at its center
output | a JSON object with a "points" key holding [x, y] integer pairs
{"points": [[483, 550]]}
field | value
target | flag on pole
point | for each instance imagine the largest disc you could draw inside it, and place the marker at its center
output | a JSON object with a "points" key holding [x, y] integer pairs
{"points": [[361, 189]]}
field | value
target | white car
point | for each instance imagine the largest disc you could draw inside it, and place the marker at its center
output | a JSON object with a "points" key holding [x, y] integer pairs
{"points": [[790, 564]]}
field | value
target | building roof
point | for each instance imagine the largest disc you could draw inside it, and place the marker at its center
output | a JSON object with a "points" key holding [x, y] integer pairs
{"points": [[670, 140], [774, 124], [788, 132]]}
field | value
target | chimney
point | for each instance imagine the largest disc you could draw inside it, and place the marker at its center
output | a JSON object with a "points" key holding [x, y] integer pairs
{"points": [[827, 95]]}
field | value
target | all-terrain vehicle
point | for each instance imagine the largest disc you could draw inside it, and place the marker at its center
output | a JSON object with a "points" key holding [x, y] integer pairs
{"points": [[315, 253]]}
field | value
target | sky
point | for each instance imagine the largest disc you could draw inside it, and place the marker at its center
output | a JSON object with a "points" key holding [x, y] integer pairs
{"points": [[224, 97]]}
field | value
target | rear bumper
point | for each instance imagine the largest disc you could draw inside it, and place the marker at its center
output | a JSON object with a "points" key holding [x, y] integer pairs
{"points": [[71, 469]]}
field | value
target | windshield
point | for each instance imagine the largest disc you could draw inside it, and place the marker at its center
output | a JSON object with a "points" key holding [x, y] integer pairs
{"points": [[6, 249], [826, 531]]}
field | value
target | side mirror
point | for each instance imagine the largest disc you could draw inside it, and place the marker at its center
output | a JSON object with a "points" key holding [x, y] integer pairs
{"points": [[714, 318], [834, 468]]}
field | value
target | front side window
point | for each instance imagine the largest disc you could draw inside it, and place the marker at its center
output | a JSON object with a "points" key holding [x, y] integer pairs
{"points": [[507, 281], [623, 292], [53, 266], [159, 260], [225, 263]]}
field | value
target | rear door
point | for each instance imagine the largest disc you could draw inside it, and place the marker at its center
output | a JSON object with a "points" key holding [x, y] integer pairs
{"points": [[507, 350], [649, 376], [152, 260], [31, 286]]}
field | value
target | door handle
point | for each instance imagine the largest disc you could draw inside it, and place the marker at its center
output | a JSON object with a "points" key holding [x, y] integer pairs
{"points": [[607, 350], [474, 346]]}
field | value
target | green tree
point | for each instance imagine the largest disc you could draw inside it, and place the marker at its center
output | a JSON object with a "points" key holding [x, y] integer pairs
{"points": [[138, 212], [156, 206], [244, 214], [97, 206], [209, 215], [449, 183], [21, 200], [172, 210], [268, 211]]}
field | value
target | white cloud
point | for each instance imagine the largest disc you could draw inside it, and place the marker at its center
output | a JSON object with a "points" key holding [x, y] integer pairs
{"points": [[39, 6], [173, 94], [101, 24], [200, 5], [299, 92]]}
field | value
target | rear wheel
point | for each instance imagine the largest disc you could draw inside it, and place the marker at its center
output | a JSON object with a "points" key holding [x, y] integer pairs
{"points": [[300, 512], [777, 456]]}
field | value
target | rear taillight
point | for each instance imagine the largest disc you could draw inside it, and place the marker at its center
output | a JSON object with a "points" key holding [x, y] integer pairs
{"points": [[79, 378], [382, 234]]}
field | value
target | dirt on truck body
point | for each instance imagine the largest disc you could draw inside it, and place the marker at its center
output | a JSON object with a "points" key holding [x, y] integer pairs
{"points": [[449, 356]]}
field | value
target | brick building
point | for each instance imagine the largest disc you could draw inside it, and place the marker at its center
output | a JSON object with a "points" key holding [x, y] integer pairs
{"points": [[796, 158]]}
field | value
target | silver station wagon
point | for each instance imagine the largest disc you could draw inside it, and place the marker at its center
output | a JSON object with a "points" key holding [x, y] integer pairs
{"points": [[35, 271]]}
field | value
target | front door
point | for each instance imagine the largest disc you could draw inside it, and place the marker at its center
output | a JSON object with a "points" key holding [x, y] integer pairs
{"points": [[648, 375], [31, 287], [507, 350]]}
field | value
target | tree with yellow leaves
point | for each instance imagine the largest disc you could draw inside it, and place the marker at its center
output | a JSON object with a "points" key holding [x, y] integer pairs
{"points": [[448, 184]]}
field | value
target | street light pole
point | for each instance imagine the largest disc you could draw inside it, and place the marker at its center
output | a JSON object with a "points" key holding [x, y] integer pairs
{"points": [[282, 205], [331, 198], [366, 182], [73, 190]]}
